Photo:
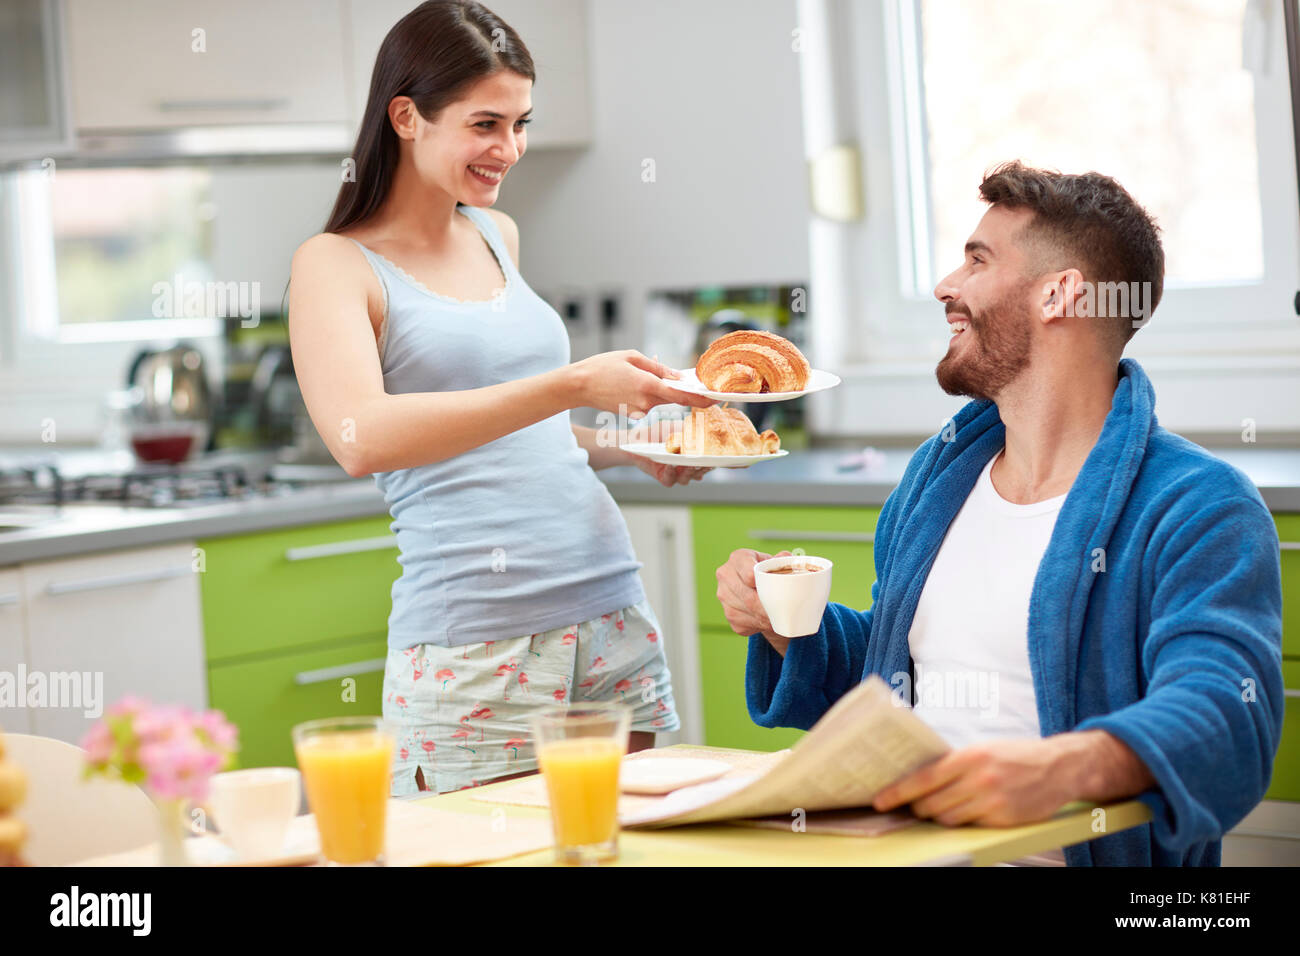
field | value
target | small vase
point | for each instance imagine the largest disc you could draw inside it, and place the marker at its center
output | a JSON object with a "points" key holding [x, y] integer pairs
{"points": [[171, 832]]}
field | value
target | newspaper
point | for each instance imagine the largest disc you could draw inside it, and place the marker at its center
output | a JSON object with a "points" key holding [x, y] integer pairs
{"points": [[860, 746]]}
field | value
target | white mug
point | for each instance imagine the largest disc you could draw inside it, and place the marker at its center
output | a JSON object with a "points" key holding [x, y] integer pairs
{"points": [[254, 808], [794, 602]]}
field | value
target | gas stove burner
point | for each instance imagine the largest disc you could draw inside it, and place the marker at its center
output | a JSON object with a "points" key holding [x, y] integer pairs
{"points": [[88, 479], [31, 484], [163, 486]]}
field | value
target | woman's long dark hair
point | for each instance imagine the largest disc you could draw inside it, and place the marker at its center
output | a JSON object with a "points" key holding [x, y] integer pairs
{"points": [[430, 55]]}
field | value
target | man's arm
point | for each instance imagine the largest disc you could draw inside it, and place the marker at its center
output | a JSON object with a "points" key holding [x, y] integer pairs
{"points": [[794, 684], [1208, 724], [1012, 782], [794, 690], [1107, 768], [1198, 748]]}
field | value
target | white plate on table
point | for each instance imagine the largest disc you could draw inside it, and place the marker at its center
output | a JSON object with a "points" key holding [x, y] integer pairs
{"points": [[817, 381], [659, 775], [656, 451]]}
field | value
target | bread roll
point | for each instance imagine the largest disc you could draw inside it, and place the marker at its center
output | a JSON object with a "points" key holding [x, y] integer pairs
{"points": [[750, 362], [13, 785], [721, 430]]}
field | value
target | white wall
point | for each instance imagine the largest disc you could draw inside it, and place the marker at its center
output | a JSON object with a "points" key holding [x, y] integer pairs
{"points": [[710, 93]]}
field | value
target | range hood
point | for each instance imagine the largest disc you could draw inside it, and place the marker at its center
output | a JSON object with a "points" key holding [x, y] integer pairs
{"points": [[286, 141]]}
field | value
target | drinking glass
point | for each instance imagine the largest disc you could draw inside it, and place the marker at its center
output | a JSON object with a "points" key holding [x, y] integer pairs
{"points": [[346, 765], [580, 749]]}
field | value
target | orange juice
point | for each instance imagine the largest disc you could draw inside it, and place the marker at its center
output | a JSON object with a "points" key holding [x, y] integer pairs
{"points": [[346, 775], [582, 781]]}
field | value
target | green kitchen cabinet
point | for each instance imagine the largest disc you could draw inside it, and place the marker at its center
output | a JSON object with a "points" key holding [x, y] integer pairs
{"points": [[726, 717], [1286, 768], [265, 696], [1288, 533], [273, 591], [295, 627], [842, 535]]}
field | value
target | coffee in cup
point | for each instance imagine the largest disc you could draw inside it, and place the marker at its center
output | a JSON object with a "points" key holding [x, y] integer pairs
{"points": [[793, 590]]}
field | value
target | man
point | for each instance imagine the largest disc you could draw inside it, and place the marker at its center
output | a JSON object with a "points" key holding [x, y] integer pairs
{"points": [[1116, 586]]}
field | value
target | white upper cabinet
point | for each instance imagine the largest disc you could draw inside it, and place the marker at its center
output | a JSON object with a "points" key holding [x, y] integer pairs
{"points": [[555, 32], [33, 101], [159, 64]]}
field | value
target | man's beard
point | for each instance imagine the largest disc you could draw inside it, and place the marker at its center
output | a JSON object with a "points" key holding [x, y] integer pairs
{"points": [[998, 354]]}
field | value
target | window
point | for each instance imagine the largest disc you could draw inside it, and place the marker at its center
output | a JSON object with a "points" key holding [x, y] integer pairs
{"points": [[106, 254], [1185, 102], [1154, 94]]}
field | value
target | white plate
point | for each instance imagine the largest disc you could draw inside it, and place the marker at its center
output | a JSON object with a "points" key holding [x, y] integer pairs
{"points": [[301, 845], [655, 451], [656, 775], [817, 381]]}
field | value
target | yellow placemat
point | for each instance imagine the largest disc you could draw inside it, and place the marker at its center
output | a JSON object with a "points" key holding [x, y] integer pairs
{"points": [[417, 835], [420, 835], [531, 791], [854, 823]]}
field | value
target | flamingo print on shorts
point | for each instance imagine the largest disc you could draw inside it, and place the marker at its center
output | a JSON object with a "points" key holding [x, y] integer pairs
{"points": [[470, 724]]}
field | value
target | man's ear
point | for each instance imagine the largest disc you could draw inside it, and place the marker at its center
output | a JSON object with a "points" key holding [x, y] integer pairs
{"points": [[402, 114], [1063, 295]]}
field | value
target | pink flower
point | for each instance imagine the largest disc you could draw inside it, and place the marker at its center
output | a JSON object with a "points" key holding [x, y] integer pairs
{"points": [[220, 731], [171, 750], [98, 744]]}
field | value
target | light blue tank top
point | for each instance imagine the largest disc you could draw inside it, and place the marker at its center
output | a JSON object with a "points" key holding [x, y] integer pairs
{"points": [[514, 537]]}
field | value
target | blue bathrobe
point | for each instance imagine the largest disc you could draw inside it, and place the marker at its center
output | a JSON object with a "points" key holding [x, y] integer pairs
{"points": [[1175, 647]]}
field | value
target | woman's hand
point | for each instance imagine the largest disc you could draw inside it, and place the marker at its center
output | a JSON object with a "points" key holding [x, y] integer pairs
{"points": [[629, 383], [669, 475]]}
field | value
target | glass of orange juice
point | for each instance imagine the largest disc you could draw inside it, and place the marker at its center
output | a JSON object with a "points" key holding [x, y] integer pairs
{"points": [[580, 749], [346, 765]]}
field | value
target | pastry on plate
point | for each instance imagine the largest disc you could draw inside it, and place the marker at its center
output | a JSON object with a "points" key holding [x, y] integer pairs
{"points": [[751, 362], [720, 430]]}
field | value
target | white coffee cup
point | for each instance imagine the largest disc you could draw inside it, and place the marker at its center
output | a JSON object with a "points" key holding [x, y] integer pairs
{"points": [[254, 808], [794, 602]]}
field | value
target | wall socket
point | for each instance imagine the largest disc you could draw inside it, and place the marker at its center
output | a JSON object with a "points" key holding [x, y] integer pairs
{"points": [[573, 309], [609, 306]]}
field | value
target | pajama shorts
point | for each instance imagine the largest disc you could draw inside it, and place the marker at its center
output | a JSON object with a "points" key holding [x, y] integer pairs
{"points": [[462, 713]]}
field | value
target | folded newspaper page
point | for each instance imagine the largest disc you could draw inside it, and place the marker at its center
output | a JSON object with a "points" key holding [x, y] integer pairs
{"points": [[860, 746]]}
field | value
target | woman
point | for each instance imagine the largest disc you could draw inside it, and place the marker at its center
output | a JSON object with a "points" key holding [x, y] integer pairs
{"points": [[425, 359]]}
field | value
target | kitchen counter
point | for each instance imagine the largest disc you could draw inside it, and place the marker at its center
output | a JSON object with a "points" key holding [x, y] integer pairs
{"points": [[801, 478]]}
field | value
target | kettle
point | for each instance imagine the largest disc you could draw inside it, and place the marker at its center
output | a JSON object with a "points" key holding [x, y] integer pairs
{"points": [[173, 389]]}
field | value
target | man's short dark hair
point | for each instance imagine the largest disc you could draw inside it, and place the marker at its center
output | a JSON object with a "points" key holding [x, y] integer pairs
{"points": [[1090, 222]]}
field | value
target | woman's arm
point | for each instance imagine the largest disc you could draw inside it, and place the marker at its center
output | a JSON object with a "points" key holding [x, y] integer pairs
{"points": [[368, 430], [600, 454]]}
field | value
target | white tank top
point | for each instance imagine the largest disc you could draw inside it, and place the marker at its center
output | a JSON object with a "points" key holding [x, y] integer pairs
{"points": [[514, 537]]}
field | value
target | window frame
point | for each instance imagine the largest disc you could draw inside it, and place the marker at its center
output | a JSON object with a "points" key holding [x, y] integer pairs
{"points": [[29, 257], [901, 325]]}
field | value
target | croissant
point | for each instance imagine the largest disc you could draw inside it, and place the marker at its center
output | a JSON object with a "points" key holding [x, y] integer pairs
{"points": [[720, 430], [751, 361]]}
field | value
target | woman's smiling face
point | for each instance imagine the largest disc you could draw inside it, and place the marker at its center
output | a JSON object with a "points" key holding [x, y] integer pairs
{"points": [[472, 143]]}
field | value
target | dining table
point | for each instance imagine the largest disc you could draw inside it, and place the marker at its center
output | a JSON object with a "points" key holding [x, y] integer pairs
{"points": [[506, 823], [736, 843]]}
